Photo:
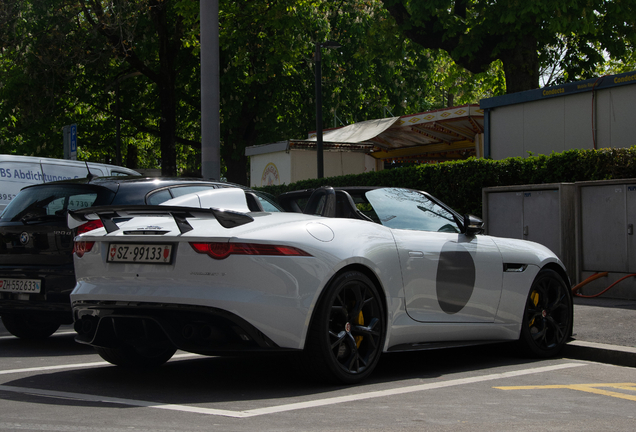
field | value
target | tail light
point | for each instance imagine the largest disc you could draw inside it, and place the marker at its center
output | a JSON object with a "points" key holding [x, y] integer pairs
{"points": [[81, 247], [222, 250], [89, 226]]}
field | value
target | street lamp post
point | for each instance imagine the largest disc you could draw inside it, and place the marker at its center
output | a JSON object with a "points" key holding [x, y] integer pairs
{"points": [[319, 149], [210, 91]]}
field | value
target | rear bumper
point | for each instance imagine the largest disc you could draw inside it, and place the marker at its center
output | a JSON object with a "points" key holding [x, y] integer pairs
{"points": [[196, 329], [53, 300]]}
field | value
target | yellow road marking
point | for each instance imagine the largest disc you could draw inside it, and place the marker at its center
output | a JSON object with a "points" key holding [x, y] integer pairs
{"points": [[588, 388]]}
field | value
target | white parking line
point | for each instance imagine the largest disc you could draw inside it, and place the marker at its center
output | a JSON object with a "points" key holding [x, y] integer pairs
{"points": [[49, 368], [78, 365], [58, 333], [292, 406]]}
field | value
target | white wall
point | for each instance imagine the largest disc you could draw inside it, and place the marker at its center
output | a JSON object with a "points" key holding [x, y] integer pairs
{"points": [[288, 167], [270, 169], [564, 123], [616, 117]]}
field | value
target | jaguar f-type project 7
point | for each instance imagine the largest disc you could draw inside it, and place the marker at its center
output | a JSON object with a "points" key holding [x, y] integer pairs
{"points": [[350, 274]]}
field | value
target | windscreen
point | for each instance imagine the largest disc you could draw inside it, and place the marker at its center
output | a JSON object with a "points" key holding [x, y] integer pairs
{"points": [[411, 210]]}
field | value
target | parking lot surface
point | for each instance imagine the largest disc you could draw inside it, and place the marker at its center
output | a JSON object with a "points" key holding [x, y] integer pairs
{"points": [[59, 385]]}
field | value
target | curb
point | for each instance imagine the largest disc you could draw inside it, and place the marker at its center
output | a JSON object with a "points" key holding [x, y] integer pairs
{"points": [[602, 353]]}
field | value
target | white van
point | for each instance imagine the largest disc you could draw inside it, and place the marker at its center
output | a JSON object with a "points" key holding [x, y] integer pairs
{"points": [[17, 172]]}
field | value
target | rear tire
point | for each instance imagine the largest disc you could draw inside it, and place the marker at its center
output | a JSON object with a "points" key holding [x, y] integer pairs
{"points": [[132, 357], [547, 319], [26, 327], [347, 333]]}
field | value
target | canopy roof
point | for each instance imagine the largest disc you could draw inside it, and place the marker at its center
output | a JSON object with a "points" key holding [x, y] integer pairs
{"points": [[449, 133]]}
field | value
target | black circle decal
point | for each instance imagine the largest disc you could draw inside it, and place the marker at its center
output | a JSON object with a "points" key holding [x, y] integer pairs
{"points": [[455, 278]]}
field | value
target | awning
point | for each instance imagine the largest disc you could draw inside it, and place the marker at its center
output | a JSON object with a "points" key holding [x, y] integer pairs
{"points": [[444, 134], [449, 133], [357, 132]]}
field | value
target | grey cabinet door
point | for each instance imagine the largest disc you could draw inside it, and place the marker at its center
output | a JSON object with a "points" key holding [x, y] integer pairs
{"points": [[505, 214], [604, 228], [541, 219], [631, 226]]}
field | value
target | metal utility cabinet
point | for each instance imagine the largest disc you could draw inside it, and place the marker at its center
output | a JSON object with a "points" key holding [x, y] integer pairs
{"points": [[606, 241], [542, 213], [589, 225]]}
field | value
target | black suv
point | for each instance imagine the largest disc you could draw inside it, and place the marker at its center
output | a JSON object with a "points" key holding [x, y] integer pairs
{"points": [[36, 245]]}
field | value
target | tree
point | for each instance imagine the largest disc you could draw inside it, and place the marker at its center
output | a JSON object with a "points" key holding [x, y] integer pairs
{"points": [[92, 62], [149, 37], [63, 61], [40, 56], [524, 35]]}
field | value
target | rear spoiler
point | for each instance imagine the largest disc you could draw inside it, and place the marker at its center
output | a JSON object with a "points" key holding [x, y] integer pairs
{"points": [[227, 218]]}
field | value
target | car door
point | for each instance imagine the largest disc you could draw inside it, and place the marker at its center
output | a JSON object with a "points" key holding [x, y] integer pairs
{"points": [[448, 276]]}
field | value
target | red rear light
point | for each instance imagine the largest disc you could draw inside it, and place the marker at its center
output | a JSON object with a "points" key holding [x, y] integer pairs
{"points": [[81, 247], [220, 250], [89, 226]]}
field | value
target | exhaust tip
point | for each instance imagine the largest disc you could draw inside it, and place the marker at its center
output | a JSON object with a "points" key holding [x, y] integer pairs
{"points": [[84, 326], [189, 331]]}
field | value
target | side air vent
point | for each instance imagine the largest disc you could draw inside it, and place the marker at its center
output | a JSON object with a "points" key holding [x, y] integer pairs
{"points": [[515, 267]]}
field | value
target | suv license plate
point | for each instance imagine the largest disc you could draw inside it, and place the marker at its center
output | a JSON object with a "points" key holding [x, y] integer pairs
{"points": [[20, 285], [140, 253]]}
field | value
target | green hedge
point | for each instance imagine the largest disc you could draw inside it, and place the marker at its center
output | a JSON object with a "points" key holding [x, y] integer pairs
{"points": [[459, 183]]}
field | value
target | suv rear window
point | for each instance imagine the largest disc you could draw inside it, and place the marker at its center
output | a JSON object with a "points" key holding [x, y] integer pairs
{"points": [[52, 201]]}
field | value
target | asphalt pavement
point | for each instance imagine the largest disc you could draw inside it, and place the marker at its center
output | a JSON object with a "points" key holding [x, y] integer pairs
{"points": [[604, 331]]}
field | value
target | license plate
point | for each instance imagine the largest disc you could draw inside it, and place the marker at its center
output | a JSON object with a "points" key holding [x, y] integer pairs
{"points": [[21, 285], [140, 253]]}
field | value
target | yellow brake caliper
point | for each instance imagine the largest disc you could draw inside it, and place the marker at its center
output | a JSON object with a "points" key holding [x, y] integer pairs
{"points": [[360, 321], [534, 296]]}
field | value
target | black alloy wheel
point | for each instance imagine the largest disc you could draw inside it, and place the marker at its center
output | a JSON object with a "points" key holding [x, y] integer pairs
{"points": [[347, 334], [547, 320]]}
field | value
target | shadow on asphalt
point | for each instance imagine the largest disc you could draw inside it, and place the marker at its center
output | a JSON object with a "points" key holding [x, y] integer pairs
{"points": [[204, 380], [58, 345]]}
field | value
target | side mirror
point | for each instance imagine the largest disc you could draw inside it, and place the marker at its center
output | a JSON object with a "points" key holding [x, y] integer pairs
{"points": [[473, 225]]}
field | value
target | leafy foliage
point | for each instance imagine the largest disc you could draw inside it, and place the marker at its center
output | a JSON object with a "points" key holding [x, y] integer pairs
{"points": [[267, 80], [66, 62], [567, 38], [90, 62]]}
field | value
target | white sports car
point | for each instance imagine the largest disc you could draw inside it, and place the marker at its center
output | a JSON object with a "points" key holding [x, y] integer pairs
{"points": [[359, 272]]}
